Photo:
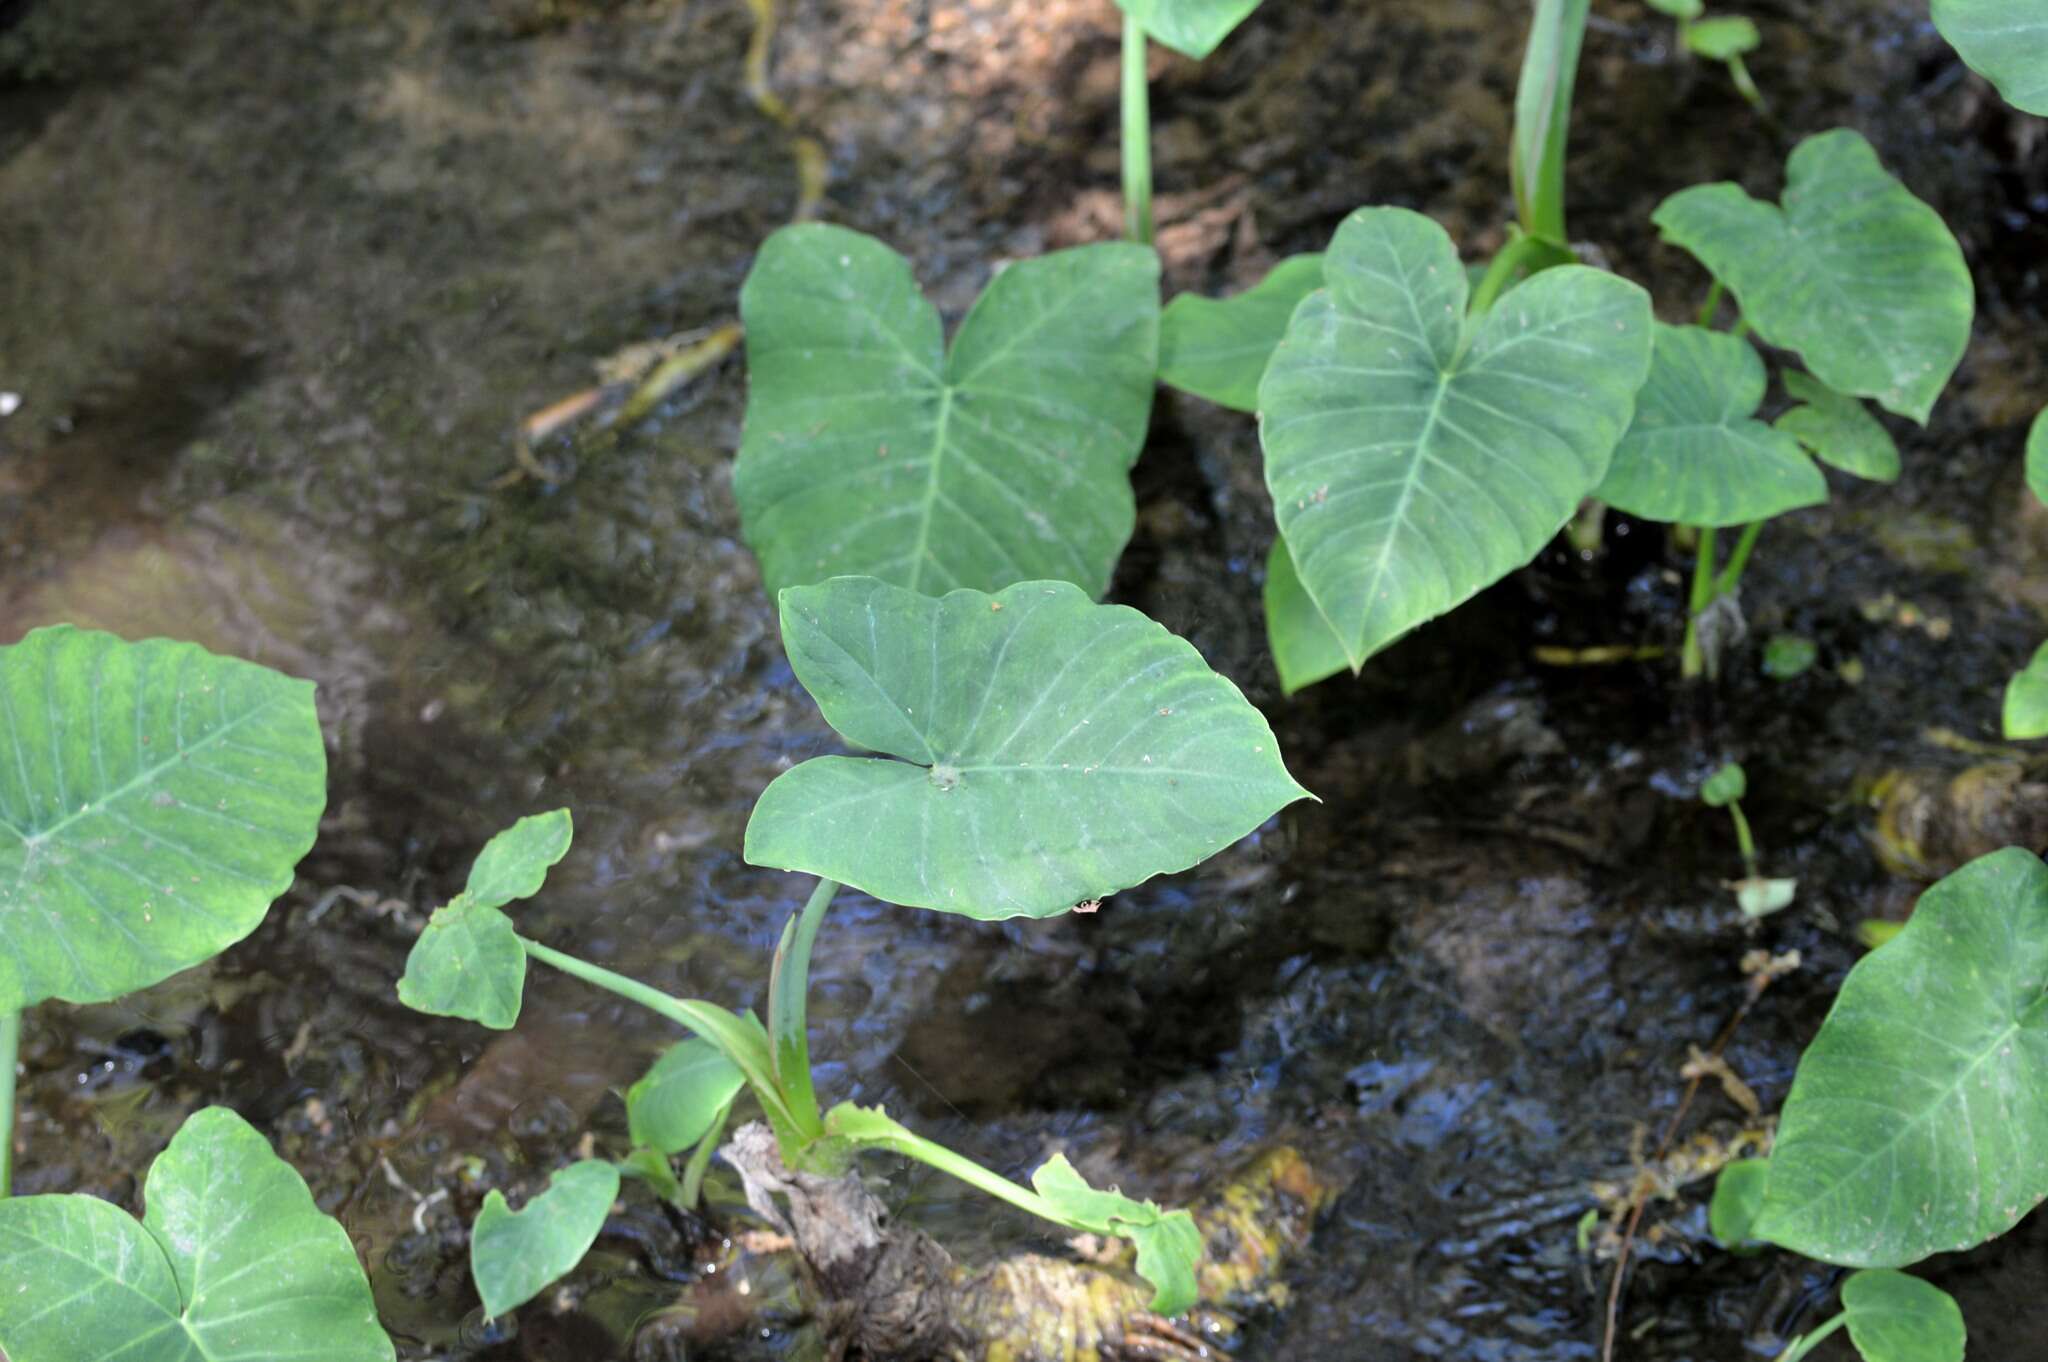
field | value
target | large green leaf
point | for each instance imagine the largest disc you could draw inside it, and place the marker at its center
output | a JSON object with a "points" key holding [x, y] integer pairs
{"points": [[2026, 699], [1838, 429], [1305, 649], [1038, 749], [2005, 41], [515, 1254], [1169, 1244], [1853, 272], [1695, 454], [675, 1103], [1190, 27], [1918, 1120], [1897, 1318], [153, 801], [469, 962], [870, 449], [231, 1263], [1414, 456], [1218, 347]]}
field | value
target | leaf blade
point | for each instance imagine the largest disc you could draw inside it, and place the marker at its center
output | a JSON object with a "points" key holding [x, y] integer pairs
{"points": [[1894, 1317], [1838, 431], [514, 1255], [677, 1101], [2005, 41], [1193, 28], [1217, 348]]}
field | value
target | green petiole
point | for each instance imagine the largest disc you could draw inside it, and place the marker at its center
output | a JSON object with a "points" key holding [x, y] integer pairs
{"points": [[1806, 1343], [1693, 659], [1137, 136], [10, 1047]]}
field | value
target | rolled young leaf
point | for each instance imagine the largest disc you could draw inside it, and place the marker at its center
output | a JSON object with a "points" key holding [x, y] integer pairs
{"points": [[1218, 347], [156, 800], [1861, 278], [1918, 1119], [871, 449], [1036, 750], [1193, 28], [2005, 41], [232, 1262], [1695, 454], [1414, 456]]}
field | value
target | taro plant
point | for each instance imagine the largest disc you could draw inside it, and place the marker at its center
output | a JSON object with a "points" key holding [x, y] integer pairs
{"points": [[1756, 894], [1030, 752], [153, 803], [1725, 38]]}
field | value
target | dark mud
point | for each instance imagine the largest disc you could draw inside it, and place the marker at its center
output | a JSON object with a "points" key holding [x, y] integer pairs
{"points": [[279, 280]]}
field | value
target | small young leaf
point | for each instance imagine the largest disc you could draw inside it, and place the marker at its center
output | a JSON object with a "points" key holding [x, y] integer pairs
{"points": [[1856, 274], [1738, 1196], [1721, 38], [1725, 786], [232, 1262], [1415, 457], [1193, 28], [1897, 1318], [1694, 454], [468, 963], [1169, 1245], [1679, 9], [515, 1254], [2037, 456], [1218, 347], [154, 802], [1918, 1119], [514, 864], [1759, 897], [1305, 648], [674, 1103], [1037, 750], [2026, 699], [1789, 655], [2004, 41], [1839, 431], [870, 449]]}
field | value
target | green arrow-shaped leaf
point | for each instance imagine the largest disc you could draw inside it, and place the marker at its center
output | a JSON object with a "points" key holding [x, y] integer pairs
{"points": [[1897, 1318], [153, 801], [870, 449], [2005, 41], [1218, 347], [515, 1254], [231, 1263], [1853, 272], [1918, 1120], [1415, 457], [1039, 749], [1839, 430], [1695, 454], [1193, 28], [675, 1103]]}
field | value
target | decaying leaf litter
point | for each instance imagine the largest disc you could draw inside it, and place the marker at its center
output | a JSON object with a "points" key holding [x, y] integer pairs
{"points": [[1165, 1042]]}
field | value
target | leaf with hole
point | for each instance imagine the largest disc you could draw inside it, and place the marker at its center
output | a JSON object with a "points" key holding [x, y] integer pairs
{"points": [[1861, 278], [1169, 1244], [870, 448], [469, 962], [2026, 699], [231, 1262], [1036, 750], [1896, 1318], [1305, 649], [1838, 430], [1414, 456], [2004, 41], [515, 1254], [1918, 1119], [675, 1103], [153, 801], [1193, 28], [1218, 347], [1695, 454]]}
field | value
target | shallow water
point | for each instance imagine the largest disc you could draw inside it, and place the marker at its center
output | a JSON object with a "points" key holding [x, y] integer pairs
{"points": [[276, 320]]}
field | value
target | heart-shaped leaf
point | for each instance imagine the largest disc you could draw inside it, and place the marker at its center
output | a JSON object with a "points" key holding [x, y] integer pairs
{"points": [[1218, 347], [1695, 454], [1169, 1244], [1738, 1196], [1838, 430], [2004, 41], [871, 449], [1897, 1318], [1918, 1120], [2026, 699], [1725, 786], [675, 1103], [153, 801], [1039, 749], [1853, 272], [1415, 457], [1193, 28], [469, 962], [231, 1263], [1305, 650], [515, 1254]]}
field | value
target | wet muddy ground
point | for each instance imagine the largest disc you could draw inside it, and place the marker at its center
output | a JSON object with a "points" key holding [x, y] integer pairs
{"points": [[280, 278]]}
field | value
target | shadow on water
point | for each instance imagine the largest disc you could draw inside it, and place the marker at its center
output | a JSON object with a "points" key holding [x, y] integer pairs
{"points": [[274, 321]]}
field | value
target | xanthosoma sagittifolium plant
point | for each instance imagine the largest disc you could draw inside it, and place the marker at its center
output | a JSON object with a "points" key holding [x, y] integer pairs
{"points": [[154, 799], [1415, 454], [870, 447], [1035, 749], [231, 1262], [2005, 41], [1861, 278]]}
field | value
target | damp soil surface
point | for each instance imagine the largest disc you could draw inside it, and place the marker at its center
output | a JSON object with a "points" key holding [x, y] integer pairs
{"points": [[279, 281]]}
